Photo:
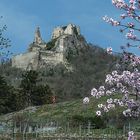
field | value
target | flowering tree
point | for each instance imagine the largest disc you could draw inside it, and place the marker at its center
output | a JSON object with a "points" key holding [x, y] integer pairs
{"points": [[125, 80], [131, 11]]}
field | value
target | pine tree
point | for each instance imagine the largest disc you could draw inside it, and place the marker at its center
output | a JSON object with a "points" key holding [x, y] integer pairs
{"points": [[28, 84]]}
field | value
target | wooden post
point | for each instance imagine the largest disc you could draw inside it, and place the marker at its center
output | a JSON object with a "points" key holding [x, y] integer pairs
{"points": [[43, 131], [80, 128], [41, 127], [124, 130], [68, 127], [36, 131], [20, 127], [15, 127], [26, 135], [23, 132], [13, 131], [129, 126], [89, 126]]}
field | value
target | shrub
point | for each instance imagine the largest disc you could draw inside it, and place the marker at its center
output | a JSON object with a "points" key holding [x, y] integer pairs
{"points": [[51, 44]]}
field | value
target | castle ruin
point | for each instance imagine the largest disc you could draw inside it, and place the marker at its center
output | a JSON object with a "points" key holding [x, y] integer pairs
{"points": [[42, 54]]}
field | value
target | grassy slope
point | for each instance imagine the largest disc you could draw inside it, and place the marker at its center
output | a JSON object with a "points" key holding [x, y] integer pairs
{"points": [[65, 111], [61, 111]]}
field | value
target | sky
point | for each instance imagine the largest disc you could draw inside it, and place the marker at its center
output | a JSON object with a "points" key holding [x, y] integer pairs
{"points": [[23, 16]]}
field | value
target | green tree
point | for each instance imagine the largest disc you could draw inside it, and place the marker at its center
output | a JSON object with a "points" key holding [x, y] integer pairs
{"points": [[28, 85], [42, 95], [4, 90], [33, 93], [8, 100]]}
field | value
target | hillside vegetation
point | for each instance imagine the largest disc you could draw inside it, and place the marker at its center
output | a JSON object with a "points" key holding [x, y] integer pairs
{"points": [[75, 112], [31, 88], [88, 69]]}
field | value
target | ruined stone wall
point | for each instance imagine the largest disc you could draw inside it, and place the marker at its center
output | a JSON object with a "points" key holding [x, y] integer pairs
{"points": [[70, 29], [68, 39], [25, 60], [31, 60], [57, 32], [52, 58]]}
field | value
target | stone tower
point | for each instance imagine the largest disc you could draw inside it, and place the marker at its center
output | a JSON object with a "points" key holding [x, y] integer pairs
{"points": [[37, 39]]}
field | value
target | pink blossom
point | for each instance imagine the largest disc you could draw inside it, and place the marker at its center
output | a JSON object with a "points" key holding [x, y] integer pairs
{"points": [[131, 135], [109, 50], [109, 101], [126, 79], [98, 113], [119, 3], [132, 1], [123, 16], [94, 92], [130, 24], [106, 109], [111, 21], [131, 35], [86, 100], [100, 106]]}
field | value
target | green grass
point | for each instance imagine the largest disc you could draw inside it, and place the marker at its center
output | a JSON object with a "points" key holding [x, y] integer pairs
{"points": [[74, 112], [66, 110]]}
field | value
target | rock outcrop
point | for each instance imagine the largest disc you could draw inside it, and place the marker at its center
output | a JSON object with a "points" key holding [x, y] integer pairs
{"points": [[66, 40]]}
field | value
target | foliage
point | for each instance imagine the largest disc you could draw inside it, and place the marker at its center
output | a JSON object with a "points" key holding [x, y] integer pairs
{"points": [[34, 94], [29, 80], [28, 83], [13, 99], [12, 75], [90, 66], [42, 94], [95, 122], [7, 97], [67, 84], [75, 31], [5, 89], [4, 44], [51, 44], [64, 113]]}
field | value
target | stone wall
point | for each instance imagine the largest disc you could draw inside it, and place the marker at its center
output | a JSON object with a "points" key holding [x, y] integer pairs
{"points": [[26, 60], [51, 58], [57, 32]]}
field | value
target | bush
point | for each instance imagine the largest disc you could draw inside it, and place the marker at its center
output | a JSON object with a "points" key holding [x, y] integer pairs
{"points": [[51, 44], [96, 122]]}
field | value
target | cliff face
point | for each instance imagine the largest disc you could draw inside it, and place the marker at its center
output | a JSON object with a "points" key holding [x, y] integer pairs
{"points": [[65, 41]]}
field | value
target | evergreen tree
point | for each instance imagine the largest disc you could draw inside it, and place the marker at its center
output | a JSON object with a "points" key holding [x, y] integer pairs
{"points": [[42, 95], [8, 100], [28, 85]]}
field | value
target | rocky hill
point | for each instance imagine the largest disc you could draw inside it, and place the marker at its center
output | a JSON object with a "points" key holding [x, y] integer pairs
{"points": [[67, 63], [65, 40]]}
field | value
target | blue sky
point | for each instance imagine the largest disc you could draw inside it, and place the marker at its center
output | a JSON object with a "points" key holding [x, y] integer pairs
{"points": [[23, 16]]}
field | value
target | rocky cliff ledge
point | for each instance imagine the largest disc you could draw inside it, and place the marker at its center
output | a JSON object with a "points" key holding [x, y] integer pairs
{"points": [[65, 40]]}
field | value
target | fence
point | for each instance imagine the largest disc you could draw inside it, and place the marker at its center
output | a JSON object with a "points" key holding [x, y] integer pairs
{"points": [[56, 131]]}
